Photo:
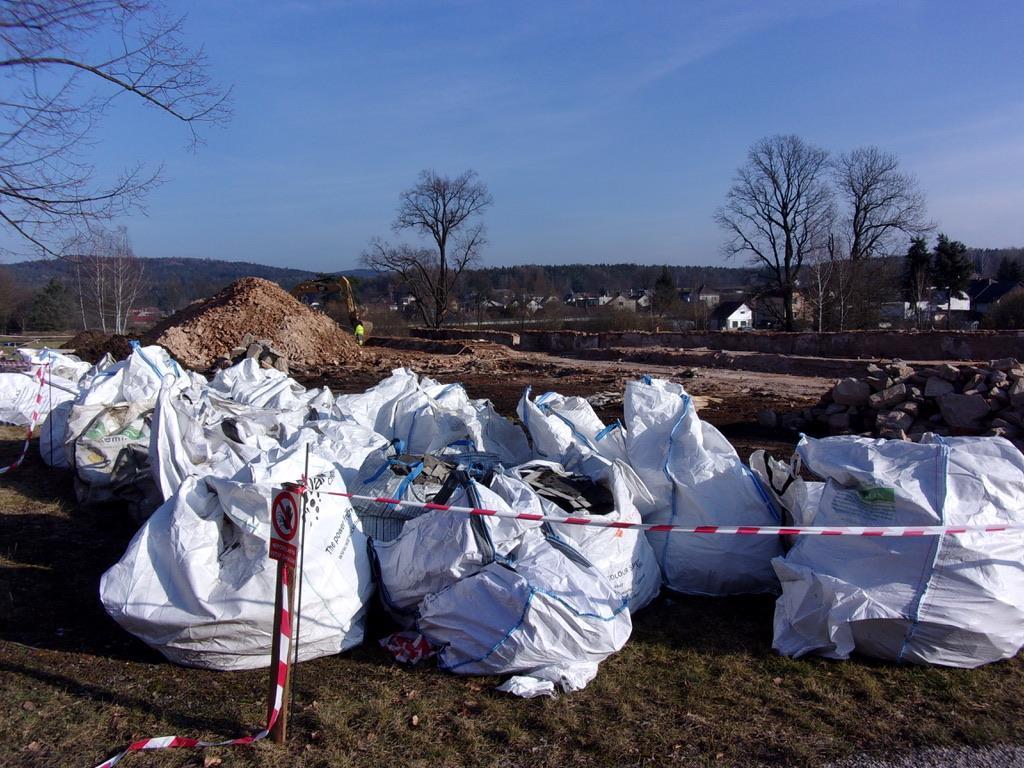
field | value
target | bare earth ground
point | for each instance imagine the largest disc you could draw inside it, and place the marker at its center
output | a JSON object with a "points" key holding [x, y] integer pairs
{"points": [[696, 685]]}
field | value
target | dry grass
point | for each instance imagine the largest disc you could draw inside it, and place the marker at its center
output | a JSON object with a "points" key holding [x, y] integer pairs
{"points": [[697, 684]]}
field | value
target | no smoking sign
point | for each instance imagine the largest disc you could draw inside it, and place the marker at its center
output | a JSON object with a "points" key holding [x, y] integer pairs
{"points": [[284, 525]]}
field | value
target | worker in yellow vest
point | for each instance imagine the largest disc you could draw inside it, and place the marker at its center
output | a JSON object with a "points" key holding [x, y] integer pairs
{"points": [[360, 332]]}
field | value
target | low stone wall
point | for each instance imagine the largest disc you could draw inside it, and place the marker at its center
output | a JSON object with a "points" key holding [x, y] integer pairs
{"points": [[505, 338], [907, 345]]}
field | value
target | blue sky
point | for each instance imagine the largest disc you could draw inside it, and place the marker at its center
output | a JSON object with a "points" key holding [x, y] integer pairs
{"points": [[606, 131]]}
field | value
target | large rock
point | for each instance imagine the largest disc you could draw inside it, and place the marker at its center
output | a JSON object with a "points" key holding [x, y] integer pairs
{"points": [[1003, 364], [876, 377], [889, 396], [948, 372], [963, 412], [1016, 393], [899, 370], [937, 387], [851, 392]]}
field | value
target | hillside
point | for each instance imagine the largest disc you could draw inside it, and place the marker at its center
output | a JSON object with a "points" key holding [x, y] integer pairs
{"points": [[169, 283]]}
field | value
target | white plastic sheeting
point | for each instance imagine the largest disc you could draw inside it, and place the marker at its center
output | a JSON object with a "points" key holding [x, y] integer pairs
{"points": [[437, 549], [247, 383], [624, 556], [566, 430], [63, 366], [51, 436], [950, 600], [196, 584], [424, 416], [540, 609], [18, 396], [18, 390], [696, 478]]}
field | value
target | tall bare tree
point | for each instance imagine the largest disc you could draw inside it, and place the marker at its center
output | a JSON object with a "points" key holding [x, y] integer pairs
{"points": [[779, 209], [62, 63], [447, 211], [883, 207], [109, 278]]}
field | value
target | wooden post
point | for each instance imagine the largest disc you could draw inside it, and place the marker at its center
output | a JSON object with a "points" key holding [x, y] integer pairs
{"points": [[279, 731]]}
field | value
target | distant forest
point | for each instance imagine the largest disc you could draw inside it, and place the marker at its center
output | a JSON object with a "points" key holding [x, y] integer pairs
{"points": [[170, 284]]}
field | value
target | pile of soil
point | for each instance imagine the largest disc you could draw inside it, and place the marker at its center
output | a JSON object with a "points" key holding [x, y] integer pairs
{"points": [[213, 327], [92, 345]]}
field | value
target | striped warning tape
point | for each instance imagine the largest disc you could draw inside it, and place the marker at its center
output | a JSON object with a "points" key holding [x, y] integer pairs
{"points": [[742, 530], [37, 410], [170, 742]]}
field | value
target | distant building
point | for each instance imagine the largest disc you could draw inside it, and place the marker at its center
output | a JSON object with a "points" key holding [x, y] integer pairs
{"points": [[710, 296], [620, 302], [732, 316], [144, 316], [987, 293]]}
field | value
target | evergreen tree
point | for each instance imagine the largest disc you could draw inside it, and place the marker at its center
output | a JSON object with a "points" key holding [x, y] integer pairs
{"points": [[52, 308], [1009, 270], [951, 269], [917, 266], [666, 295]]}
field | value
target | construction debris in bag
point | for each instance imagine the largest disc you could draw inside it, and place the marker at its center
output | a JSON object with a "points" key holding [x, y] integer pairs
{"points": [[571, 492]]}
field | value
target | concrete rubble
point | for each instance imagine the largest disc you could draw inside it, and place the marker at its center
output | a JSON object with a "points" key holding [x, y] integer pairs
{"points": [[901, 401]]}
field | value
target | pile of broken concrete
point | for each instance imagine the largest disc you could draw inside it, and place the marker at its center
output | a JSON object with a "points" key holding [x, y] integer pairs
{"points": [[251, 347], [903, 402]]}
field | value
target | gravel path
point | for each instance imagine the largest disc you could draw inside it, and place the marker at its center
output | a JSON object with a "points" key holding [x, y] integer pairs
{"points": [[1002, 756]]}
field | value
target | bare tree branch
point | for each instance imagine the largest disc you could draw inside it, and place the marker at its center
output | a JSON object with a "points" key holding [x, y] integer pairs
{"points": [[779, 210], [60, 73], [445, 210]]}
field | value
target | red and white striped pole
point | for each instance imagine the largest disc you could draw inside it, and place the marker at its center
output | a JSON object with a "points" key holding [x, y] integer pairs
{"points": [[37, 411], [279, 668]]}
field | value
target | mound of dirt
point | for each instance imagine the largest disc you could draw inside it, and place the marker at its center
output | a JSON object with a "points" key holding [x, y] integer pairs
{"points": [[92, 345], [259, 308]]}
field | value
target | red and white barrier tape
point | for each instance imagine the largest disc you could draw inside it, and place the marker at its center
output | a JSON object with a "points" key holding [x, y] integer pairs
{"points": [[36, 413], [284, 653], [742, 530]]}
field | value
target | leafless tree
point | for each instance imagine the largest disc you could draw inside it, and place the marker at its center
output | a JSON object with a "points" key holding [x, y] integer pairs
{"points": [[779, 209], [883, 206], [446, 210], [109, 277], [62, 63]]}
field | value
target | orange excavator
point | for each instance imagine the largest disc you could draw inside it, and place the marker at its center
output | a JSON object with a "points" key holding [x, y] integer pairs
{"points": [[326, 286]]}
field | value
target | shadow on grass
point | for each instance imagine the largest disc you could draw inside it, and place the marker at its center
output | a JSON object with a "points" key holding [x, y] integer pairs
{"points": [[101, 695], [52, 564], [707, 625]]}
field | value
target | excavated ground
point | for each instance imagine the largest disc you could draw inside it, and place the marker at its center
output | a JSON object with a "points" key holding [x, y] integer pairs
{"points": [[697, 685]]}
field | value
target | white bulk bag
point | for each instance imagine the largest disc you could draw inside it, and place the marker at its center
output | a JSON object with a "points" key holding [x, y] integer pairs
{"points": [[137, 377], [436, 549], [696, 478], [955, 600], [61, 365], [109, 449], [51, 436], [375, 408], [250, 384], [18, 392], [540, 609], [624, 556], [566, 430], [196, 433], [196, 583]]}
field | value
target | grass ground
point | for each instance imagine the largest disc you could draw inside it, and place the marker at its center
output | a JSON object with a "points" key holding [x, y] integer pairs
{"points": [[696, 685]]}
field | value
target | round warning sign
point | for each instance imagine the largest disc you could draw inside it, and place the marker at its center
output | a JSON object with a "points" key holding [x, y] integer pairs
{"points": [[284, 515]]}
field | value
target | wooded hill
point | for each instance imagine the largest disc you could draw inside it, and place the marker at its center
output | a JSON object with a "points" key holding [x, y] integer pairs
{"points": [[170, 284]]}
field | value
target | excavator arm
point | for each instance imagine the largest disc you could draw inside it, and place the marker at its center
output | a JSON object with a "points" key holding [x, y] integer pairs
{"points": [[328, 285]]}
